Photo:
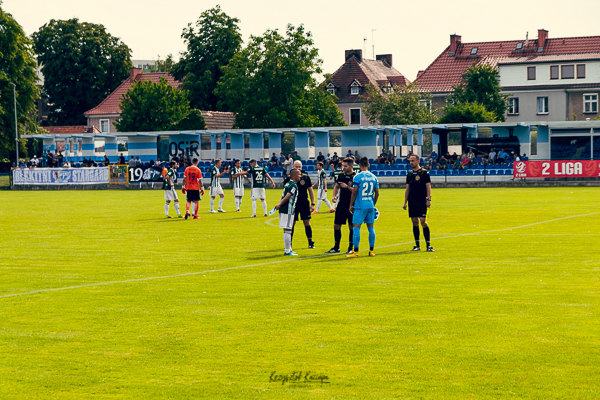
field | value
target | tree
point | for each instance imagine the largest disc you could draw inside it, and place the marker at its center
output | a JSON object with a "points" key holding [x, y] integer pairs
{"points": [[165, 65], [82, 64], [481, 84], [192, 121], [17, 65], [406, 105], [210, 45], [271, 83], [152, 106], [469, 112]]}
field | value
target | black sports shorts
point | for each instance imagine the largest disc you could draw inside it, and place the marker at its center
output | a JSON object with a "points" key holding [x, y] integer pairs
{"points": [[417, 209], [342, 214], [302, 210], [192, 195]]}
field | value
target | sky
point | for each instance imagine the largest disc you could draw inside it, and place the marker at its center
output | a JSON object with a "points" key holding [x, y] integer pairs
{"points": [[414, 32]]}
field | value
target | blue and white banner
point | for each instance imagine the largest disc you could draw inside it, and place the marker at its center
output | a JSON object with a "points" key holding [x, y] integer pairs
{"points": [[60, 176]]}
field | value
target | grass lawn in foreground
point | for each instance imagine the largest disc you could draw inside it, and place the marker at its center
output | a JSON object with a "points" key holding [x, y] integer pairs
{"points": [[148, 307]]}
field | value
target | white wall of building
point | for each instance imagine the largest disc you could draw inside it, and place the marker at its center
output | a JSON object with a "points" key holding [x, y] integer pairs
{"points": [[516, 74]]}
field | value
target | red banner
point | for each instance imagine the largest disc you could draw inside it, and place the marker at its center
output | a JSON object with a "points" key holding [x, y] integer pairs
{"points": [[556, 169]]}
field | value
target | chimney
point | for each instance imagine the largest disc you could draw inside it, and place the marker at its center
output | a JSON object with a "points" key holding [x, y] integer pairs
{"points": [[385, 58], [542, 37], [454, 42], [355, 53], [133, 73]]}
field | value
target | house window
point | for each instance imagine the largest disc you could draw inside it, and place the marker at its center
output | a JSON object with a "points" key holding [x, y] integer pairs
{"points": [[104, 126], [354, 90], [531, 73], [355, 116], [542, 105], [331, 90], [474, 51], [590, 103], [513, 106], [426, 103], [568, 71], [554, 72], [580, 71]]}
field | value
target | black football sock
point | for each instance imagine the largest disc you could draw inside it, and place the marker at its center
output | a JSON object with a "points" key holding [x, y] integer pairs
{"points": [[351, 239], [337, 235], [416, 234], [308, 231], [426, 234]]}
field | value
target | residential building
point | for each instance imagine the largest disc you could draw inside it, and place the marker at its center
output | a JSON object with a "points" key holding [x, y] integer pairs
{"points": [[547, 79], [350, 82]]}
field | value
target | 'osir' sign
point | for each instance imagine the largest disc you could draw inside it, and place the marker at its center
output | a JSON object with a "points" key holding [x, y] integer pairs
{"points": [[556, 169]]}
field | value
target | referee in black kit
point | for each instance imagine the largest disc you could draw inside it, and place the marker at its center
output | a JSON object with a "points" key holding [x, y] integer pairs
{"points": [[418, 198], [304, 209]]}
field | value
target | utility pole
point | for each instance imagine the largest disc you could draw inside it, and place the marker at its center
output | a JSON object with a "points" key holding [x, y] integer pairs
{"points": [[373, 42], [16, 127]]}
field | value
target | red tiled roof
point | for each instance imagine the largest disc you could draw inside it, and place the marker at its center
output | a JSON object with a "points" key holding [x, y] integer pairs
{"points": [[65, 130], [446, 71], [110, 105], [218, 119], [374, 72]]}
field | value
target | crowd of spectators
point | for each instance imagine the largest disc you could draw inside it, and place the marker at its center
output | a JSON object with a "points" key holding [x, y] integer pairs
{"points": [[468, 159]]}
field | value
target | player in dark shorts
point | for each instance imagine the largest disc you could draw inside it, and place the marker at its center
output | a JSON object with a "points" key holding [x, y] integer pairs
{"points": [[343, 189], [418, 198], [304, 209]]}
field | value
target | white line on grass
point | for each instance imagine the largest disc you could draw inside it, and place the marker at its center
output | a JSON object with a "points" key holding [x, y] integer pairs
{"points": [[275, 262]]}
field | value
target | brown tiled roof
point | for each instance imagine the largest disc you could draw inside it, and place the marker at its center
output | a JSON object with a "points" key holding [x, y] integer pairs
{"points": [[218, 119], [446, 71], [374, 72], [65, 130], [110, 105]]}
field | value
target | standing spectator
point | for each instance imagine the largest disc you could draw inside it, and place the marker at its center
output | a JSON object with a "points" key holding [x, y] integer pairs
{"points": [[106, 161], [492, 157], [287, 164], [60, 160], [138, 162], [471, 155], [50, 160], [35, 162], [281, 159], [121, 160], [410, 154], [132, 162], [349, 153], [356, 156]]}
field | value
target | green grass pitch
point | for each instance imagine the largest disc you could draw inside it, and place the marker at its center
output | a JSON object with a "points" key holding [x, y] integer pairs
{"points": [[150, 308]]}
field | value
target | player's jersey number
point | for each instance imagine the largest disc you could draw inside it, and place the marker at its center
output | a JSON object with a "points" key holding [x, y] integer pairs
{"points": [[368, 189], [259, 176]]}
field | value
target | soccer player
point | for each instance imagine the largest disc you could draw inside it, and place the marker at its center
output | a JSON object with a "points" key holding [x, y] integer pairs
{"points": [[193, 187], [322, 189], [169, 188], [259, 175], [238, 183], [355, 166], [418, 198], [215, 186], [287, 210], [365, 193], [335, 173], [303, 209], [343, 191]]}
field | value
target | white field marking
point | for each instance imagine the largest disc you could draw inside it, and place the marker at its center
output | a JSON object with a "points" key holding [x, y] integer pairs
{"points": [[275, 262]]}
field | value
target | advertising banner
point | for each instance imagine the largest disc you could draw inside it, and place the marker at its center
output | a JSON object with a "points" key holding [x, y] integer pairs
{"points": [[60, 176], [557, 169], [145, 174]]}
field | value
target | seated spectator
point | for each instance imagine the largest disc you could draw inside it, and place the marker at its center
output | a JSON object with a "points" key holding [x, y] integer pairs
{"points": [[138, 162], [296, 157], [132, 162], [35, 162], [390, 157], [356, 156], [84, 161], [335, 159], [465, 162], [273, 162], [434, 156], [492, 157], [502, 156], [456, 164], [328, 159], [448, 156], [428, 163], [151, 163], [22, 164], [442, 163], [382, 159], [455, 157], [410, 153], [66, 164], [321, 158], [349, 153]]}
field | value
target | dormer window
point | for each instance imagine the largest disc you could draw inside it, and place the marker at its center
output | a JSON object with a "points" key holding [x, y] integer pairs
{"points": [[387, 88], [331, 88], [354, 88]]}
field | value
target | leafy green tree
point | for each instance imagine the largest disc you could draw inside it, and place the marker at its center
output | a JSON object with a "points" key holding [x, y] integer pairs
{"points": [[481, 84], [469, 112], [271, 83], [210, 44], [82, 64], [165, 65], [192, 121], [405, 105], [152, 106], [17, 65]]}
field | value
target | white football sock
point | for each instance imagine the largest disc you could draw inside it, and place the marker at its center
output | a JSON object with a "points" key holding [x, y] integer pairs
{"points": [[265, 206], [328, 204], [318, 205], [240, 203], [287, 241], [212, 204], [166, 208], [177, 208], [221, 203], [253, 207]]}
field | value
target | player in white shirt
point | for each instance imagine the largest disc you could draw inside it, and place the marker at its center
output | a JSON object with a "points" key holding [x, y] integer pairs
{"points": [[215, 186], [237, 179], [321, 185]]}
